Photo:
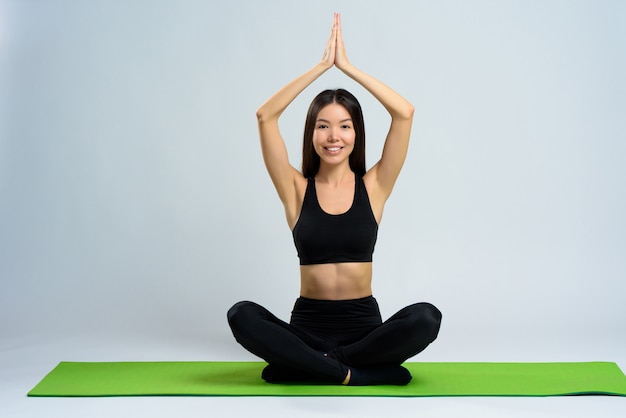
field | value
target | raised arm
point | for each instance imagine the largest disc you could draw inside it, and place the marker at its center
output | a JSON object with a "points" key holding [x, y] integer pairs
{"points": [[383, 175], [284, 176]]}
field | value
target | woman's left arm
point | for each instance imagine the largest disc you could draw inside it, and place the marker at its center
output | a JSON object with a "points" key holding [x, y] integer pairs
{"points": [[386, 170]]}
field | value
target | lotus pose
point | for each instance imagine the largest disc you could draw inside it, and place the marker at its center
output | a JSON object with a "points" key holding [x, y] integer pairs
{"points": [[333, 207]]}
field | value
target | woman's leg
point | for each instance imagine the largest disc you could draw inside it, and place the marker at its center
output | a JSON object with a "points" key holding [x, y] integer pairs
{"points": [[402, 336], [281, 344]]}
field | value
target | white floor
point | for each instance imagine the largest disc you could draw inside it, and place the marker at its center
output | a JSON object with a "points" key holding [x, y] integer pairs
{"points": [[24, 361]]}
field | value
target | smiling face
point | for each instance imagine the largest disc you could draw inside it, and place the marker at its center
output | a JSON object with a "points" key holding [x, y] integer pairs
{"points": [[334, 136], [333, 132]]}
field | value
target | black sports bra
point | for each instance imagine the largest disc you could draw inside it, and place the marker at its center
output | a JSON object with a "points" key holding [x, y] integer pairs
{"points": [[323, 238]]}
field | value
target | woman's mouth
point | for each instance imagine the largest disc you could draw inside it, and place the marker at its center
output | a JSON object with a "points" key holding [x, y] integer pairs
{"points": [[333, 150]]}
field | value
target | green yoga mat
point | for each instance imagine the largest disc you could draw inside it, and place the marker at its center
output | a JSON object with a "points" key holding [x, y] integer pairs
{"points": [[244, 379]]}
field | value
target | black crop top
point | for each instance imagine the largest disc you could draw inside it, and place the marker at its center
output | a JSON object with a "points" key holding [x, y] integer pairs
{"points": [[323, 238]]}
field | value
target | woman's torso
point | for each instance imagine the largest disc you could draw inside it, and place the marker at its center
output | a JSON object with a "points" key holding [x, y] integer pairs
{"points": [[337, 280]]}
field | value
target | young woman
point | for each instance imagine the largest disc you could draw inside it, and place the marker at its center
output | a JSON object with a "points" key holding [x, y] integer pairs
{"points": [[336, 334]]}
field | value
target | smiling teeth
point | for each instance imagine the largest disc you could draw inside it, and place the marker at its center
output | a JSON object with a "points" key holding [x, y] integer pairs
{"points": [[333, 149]]}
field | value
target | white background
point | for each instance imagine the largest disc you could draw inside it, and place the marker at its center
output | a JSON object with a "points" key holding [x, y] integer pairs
{"points": [[135, 208]]}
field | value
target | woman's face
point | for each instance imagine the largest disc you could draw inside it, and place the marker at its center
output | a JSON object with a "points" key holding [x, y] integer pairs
{"points": [[333, 136]]}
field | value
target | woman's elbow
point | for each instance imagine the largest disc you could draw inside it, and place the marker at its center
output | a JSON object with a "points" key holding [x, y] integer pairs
{"points": [[261, 114], [408, 111], [265, 115], [405, 112]]}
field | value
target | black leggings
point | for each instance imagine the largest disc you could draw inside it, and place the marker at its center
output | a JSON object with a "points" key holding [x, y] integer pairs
{"points": [[325, 339]]}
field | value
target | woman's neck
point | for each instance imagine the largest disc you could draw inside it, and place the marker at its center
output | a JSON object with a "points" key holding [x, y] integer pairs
{"points": [[335, 174]]}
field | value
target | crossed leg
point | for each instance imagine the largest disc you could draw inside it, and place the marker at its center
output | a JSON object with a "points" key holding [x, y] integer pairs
{"points": [[295, 356]]}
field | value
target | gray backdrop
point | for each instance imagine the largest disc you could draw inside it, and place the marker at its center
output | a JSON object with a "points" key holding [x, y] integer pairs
{"points": [[134, 201]]}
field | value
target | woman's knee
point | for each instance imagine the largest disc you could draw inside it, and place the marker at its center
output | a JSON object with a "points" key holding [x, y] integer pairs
{"points": [[426, 318], [241, 313]]}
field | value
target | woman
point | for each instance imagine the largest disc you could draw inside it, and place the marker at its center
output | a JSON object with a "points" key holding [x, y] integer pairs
{"points": [[336, 334]]}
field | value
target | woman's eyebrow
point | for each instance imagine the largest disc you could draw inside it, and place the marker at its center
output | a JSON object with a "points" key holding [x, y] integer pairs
{"points": [[341, 121]]}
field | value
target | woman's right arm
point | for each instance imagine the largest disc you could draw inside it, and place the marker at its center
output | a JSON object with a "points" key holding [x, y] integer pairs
{"points": [[284, 176]]}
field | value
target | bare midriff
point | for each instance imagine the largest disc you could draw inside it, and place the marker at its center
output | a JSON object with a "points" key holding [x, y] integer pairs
{"points": [[336, 281]]}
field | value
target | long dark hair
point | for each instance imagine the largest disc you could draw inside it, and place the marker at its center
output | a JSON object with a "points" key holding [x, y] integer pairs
{"points": [[310, 159]]}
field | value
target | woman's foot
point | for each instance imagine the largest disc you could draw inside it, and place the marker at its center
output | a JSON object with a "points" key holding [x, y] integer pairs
{"points": [[378, 375], [346, 381]]}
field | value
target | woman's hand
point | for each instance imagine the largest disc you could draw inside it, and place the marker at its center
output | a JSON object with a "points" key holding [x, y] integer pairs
{"points": [[341, 59], [328, 59], [335, 52]]}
